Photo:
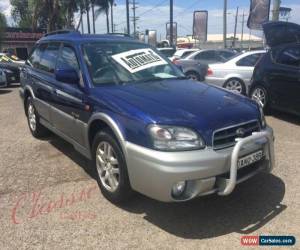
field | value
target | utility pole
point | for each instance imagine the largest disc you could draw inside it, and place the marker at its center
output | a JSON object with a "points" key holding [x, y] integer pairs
{"points": [[112, 17], [235, 24], [242, 35], [276, 6], [225, 23], [171, 23], [127, 17], [135, 18], [115, 28]]}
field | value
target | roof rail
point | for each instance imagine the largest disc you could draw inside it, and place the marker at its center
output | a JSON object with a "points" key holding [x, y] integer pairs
{"points": [[58, 32], [118, 34]]}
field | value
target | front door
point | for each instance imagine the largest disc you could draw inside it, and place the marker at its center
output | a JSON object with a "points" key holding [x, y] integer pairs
{"points": [[68, 112]]}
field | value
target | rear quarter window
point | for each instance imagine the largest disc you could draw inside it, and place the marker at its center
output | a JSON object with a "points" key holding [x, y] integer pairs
{"points": [[249, 61]]}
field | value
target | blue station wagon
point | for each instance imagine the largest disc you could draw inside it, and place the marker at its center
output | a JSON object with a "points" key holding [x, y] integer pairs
{"points": [[146, 127]]}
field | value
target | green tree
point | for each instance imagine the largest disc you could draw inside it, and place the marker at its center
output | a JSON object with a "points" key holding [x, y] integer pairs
{"points": [[3, 25], [103, 6], [21, 13]]}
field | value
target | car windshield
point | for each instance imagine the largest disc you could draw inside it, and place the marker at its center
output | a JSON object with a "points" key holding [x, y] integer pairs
{"points": [[14, 58], [117, 63], [187, 53], [4, 58]]}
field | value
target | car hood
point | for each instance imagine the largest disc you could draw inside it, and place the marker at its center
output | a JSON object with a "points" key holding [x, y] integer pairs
{"points": [[203, 107], [278, 33]]}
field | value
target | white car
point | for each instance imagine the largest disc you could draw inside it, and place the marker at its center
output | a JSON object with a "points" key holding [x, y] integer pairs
{"points": [[236, 73], [182, 53]]}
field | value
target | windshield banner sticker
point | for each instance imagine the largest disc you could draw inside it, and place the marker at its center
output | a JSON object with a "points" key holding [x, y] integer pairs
{"points": [[139, 59]]}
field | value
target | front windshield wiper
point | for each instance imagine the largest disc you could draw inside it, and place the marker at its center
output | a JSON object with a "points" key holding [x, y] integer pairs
{"points": [[156, 79]]}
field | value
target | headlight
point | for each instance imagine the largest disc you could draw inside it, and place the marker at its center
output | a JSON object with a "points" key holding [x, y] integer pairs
{"points": [[8, 71], [262, 117], [173, 138]]}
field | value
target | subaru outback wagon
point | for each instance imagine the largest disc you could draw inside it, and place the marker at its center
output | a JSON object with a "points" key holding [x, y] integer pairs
{"points": [[146, 127]]}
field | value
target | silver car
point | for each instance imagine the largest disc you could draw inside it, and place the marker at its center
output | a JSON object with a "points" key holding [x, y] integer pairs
{"points": [[236, 73]]}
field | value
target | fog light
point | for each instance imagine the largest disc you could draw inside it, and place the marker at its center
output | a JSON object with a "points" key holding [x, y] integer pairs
{"points": [[178, 188]]}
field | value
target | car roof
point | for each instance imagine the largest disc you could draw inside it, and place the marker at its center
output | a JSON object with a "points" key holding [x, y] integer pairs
{"points": [[77, 37], [202, 50], [244, 54]]}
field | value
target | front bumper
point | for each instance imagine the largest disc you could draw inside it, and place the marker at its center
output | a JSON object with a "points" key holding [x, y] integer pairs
{"points": [[207, 171]]}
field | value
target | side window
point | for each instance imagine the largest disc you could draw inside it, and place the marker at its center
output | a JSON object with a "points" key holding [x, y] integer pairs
{"points": [[35, 57], [289, 56], [206, 55], [67, 58], [49, 56], [186, 53], [249, 61], [225, 54]]}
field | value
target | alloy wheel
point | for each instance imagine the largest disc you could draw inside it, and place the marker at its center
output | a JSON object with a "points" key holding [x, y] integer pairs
{"points": [[31, 117], [235, 86], [107, 166], [259, 96]]}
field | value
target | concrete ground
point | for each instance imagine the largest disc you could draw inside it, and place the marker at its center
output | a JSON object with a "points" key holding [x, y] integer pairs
{"points": [[49, 198]]}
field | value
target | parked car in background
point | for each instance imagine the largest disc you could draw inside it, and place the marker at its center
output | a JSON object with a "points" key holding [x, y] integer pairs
{"points": [[182, 53], [208, 56], [192, 69], [168, 52], [11, 71], [3, 82], [9, 58], [142, 123], [236, 73], [276, 78]]}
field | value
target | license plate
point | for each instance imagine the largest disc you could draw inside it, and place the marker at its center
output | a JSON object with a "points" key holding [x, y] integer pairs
{"points": [[249, 159]]}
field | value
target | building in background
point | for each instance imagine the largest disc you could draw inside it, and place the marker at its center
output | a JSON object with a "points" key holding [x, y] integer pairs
{"points": [[19, 41]]}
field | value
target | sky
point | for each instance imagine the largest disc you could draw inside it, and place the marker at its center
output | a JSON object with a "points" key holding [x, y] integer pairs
{"points": [[153, 14]]}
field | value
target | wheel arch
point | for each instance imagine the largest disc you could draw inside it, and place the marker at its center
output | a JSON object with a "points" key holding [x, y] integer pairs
{"points": [[194, 72], [103, 121], [28, 92]]}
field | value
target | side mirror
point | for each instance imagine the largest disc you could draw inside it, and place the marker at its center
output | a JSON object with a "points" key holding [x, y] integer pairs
{"points": [[67, 75]]}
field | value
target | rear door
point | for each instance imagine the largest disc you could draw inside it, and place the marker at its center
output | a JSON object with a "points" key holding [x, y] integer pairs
{"points": [[68, 113], [246, 65], [41, 72], [285, 78], [207, 57]]}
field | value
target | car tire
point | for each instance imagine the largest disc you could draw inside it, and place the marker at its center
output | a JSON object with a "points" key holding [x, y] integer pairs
{"points": [[33, 119], [260, 95], [193, 76], [111, 168], [236, 85]]}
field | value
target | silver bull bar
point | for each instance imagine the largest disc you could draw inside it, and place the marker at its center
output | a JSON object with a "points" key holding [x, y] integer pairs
{"points": [[227, 185]]}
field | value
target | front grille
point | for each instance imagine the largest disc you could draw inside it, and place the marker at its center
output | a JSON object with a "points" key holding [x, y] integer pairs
{"points": [[225, 138]]}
